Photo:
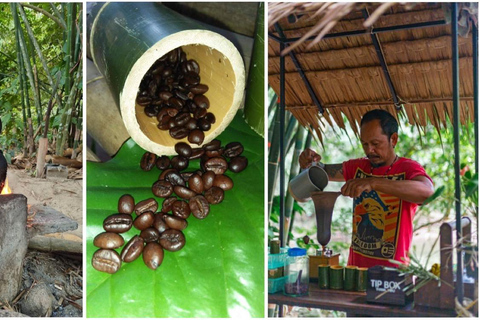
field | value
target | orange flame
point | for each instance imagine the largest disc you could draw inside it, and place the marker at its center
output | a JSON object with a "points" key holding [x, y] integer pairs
{"points": [[6, 188]]}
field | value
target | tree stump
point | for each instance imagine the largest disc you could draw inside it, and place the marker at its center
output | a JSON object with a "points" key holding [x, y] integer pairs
{"points": [[13, 244]]}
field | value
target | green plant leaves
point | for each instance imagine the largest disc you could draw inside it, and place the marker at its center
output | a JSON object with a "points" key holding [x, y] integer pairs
{"points": [[219, 272]]}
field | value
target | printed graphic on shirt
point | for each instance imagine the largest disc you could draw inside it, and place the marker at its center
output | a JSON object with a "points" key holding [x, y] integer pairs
{"points": [[376, 219]]}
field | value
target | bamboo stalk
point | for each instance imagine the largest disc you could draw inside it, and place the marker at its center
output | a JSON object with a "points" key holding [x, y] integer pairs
{"points": [[58, 15], [21, 74], [46, 13], [68, 43], [294, 171], [69, 108], [40, 55], [273, 153], [28, 68]]}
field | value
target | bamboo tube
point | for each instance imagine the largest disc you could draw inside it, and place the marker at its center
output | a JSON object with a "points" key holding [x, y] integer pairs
{"points": [[127, 38]]}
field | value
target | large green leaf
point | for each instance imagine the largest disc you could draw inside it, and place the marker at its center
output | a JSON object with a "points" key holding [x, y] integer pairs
{"points": [[219, 272]]}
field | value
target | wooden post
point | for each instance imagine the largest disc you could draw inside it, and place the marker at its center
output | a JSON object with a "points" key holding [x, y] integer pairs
{"points": [[42, 152], [13, 244]]}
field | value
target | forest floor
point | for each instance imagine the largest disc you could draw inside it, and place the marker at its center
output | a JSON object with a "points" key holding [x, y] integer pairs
{"points": [[58, 277]]}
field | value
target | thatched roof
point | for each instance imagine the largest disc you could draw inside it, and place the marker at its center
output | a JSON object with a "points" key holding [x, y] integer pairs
{"points": [[346, 75]]}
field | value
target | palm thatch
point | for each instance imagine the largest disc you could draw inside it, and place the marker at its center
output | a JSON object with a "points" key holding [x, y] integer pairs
{"points": [[346, 74]]}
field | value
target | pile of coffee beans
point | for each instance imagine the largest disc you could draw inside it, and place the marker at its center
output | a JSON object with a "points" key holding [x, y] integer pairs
{"points": [[184, 192], [171, 92]]}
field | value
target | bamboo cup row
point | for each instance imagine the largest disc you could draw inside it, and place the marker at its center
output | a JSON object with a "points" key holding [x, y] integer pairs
{"points": [[350, 278]]}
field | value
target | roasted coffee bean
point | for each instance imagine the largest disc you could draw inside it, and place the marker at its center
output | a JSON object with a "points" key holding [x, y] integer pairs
{"points": [[179, 162], [184, 192], [150, 235], [132, 250], [210, 117], [217, 164], [168, 204], [152, 88], [175, 178], [182, 119], [163, 175], [238, 164], [199, 207], [173, 56], [181, 209], [183, 149], [192, 66], [214, 195], [191, 124], [197, 153], [196, 137], [222, 181], [106, 260], [212, 145], [174, 222], [162, 189], [233, 149], [201, 101], [163, 162], [178, 132], [118, 223], [126, 204], [162, 114], [165, 95], [203, 124], [207, 179], [144, 100], [214, 153], [148, 161], [195, 183], [172, 240], [165, 123], [108, 240], [190, 79], [199, 113], [144, 221], [187, 175], [181, 95], [153, 255], [146, 205], [167, 72], [151, 111], [159, 223], [199, 89], [172, 113]]}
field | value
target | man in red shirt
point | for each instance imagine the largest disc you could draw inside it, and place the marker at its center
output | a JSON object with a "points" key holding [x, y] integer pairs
{"points": [[386, 190]]}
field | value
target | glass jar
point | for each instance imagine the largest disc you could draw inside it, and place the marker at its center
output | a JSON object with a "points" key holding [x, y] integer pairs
{"points": [[296, 272]]}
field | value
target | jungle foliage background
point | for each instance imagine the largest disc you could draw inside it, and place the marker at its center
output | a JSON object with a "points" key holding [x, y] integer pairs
{"points": [[40, 77], [434, 150]]}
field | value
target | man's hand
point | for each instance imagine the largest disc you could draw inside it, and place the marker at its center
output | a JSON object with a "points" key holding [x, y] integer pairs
{"points": [[354, 187], [307, 157]]}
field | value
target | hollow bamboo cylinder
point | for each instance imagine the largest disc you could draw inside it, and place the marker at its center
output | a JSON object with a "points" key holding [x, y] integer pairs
{"points": [[127, 38]]}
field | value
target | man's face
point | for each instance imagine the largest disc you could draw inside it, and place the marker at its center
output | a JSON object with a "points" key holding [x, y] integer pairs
{"points": [[376, 145]]}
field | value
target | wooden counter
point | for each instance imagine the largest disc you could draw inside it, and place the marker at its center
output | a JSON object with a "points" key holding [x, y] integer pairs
{"points": [[354, 304]]}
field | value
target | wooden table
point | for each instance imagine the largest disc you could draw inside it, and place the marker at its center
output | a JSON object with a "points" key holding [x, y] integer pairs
{"points": [[354, 304]]}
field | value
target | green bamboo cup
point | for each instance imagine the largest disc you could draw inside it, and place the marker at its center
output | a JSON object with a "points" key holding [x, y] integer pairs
{"points": [[350, 282], [362, 279], [323, 276], [336, 277]]}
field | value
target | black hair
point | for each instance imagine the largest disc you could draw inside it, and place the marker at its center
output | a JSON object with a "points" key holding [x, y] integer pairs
{"points": [[388, 122]]}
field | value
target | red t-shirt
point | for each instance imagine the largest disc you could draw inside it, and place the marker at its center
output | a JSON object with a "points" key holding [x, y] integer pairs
{"points": [[382, 223]]}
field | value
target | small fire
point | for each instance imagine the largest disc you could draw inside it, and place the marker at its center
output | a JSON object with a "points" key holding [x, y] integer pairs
{"points": [[6, 188]]}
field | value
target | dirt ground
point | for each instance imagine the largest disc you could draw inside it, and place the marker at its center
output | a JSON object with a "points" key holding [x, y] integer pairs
{"points": [[55, 280]]}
